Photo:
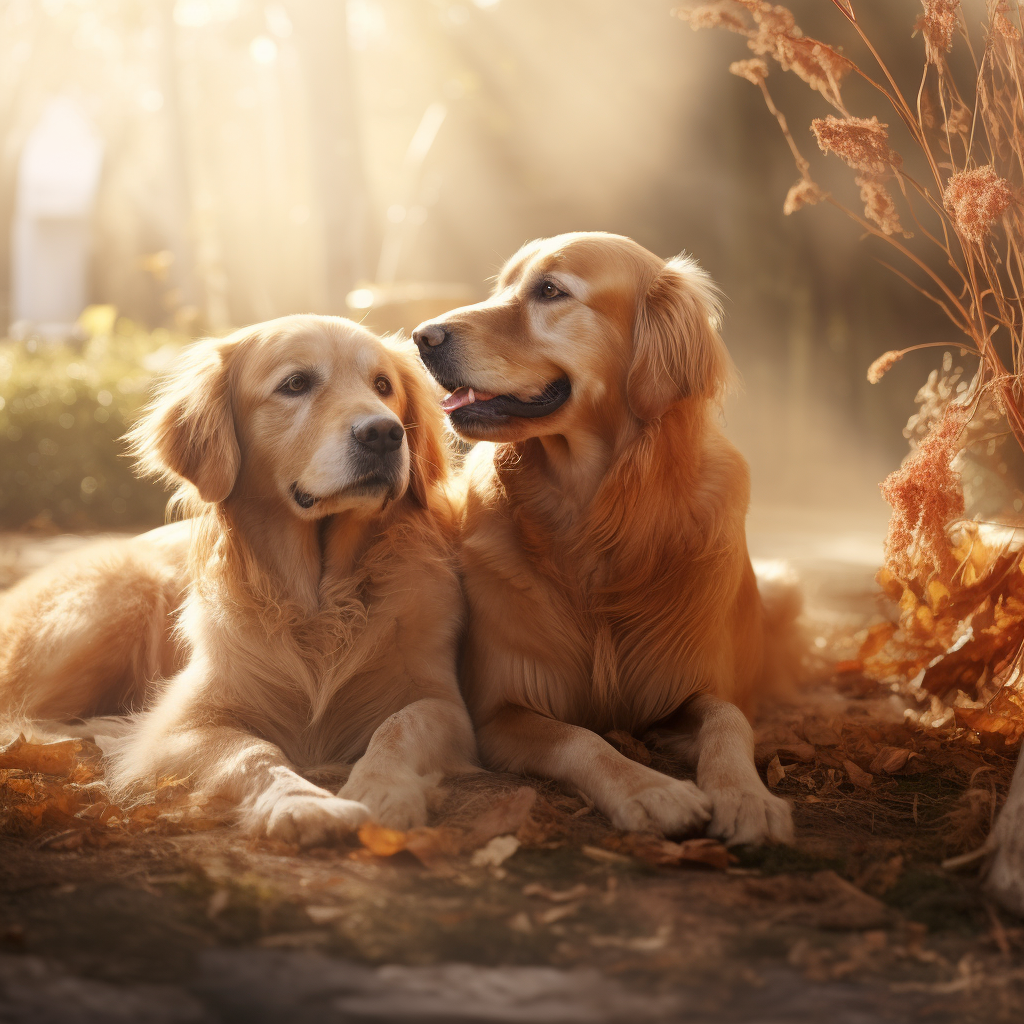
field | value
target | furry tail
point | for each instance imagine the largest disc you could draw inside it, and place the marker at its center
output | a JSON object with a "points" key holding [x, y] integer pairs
{"points": [[786, 641]]}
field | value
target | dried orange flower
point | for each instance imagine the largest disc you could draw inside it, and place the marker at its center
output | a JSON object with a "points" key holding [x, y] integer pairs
{"points": [[862, 142], [754, 71], [878, 369], [926, 495], [976, 199], [936, 26], [879, 205], [803, 193]]}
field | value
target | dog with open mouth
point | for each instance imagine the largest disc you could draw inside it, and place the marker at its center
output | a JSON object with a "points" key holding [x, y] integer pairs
{"points": [[604, 550], [312, 589]]}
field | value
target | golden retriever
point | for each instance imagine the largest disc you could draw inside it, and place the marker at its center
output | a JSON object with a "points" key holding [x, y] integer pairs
{"points": [[604, 549], [322, 605]]}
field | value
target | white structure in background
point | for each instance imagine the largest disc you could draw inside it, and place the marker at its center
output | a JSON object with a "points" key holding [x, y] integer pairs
{"points": [[58, 175]]}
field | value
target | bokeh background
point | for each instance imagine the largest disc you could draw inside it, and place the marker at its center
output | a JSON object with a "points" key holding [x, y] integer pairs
{"points": [[173, 168]]}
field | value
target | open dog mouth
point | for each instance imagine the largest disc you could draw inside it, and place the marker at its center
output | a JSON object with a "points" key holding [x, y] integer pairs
{"points": [[466, 403], [365, 485]]}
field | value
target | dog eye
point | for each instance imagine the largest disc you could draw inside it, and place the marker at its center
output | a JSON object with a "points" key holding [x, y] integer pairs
{"points": [[382, 386], [295, 384], [550, 291]]}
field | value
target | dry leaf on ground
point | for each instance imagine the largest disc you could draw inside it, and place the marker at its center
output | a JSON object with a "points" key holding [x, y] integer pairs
{"points": [[858, 776], [380, 841], [775, 773], [890, 759], [822, 901], [657, 851]]}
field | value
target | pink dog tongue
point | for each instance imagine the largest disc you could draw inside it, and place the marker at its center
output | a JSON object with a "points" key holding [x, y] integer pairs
{"points": [[464, 396]]}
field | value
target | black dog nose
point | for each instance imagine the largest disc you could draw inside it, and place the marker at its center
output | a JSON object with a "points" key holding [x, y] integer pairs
{"points": [[428, 336], [381, 434]]}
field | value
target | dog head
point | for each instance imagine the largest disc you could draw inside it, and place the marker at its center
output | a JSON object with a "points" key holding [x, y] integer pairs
{"points": [[576, 326], [315, 413]]}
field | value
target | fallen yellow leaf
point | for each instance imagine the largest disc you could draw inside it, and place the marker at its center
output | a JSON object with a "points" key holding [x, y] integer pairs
{"points": [[938, 596], [380, 841]]}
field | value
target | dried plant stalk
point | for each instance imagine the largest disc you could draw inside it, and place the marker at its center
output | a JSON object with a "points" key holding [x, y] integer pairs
{"points": [[967, 258]]}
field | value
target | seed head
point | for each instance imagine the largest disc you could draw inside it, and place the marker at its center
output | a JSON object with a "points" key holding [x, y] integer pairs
{"points": [[936, 26], [926, 495], [754, 71], [878, 369], [803, 193], [975, 200], [879, 205], [862, 142], [778, 36], [715, 15], [998, 10]]}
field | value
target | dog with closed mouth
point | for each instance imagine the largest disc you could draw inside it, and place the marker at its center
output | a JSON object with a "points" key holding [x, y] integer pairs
{"points": [[313, 589], [604, 549]]}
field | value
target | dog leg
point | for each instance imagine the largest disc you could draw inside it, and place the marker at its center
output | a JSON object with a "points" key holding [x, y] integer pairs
{"points": [[1005, 880], [406, 758], [633, 796], [722, 749], [272, 799]]}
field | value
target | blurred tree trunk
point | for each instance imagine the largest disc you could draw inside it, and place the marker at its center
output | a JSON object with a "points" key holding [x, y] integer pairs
{"points": [[14, 97], [183, 271], [322, 41]]}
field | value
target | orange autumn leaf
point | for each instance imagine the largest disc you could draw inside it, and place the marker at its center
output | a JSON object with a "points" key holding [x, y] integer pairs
{"points": [[380, 841], [46, 758], [878, 636], [656, 851], [851, 665]]}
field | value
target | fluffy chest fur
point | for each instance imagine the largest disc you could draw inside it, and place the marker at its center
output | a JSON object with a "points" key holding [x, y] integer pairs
{"points": [[319, 684], [602, 652], [615, 619]]}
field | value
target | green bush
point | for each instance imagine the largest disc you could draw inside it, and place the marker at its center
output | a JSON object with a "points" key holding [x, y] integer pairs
{"points": [[63, 411]]}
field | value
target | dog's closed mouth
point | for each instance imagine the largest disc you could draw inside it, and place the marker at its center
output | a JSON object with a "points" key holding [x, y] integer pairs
{"points": [[467, 403], [364, 485]]}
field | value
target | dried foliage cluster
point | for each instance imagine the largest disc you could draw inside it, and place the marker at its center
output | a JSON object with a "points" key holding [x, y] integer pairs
{"points": [[841, 768], [52, 793], [959, 589], [517, 875], [855, 770]]}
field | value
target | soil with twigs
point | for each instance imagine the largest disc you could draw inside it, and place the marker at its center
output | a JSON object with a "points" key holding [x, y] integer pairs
{"points": [[164, 908]]}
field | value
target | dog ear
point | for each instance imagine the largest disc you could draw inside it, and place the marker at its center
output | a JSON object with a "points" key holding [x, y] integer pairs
{"points": [[188, 432], [677, 352], [424, 423]]}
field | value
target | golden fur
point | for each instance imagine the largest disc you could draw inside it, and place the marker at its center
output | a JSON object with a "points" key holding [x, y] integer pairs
{"points": [[314, 632], [604, 549]]}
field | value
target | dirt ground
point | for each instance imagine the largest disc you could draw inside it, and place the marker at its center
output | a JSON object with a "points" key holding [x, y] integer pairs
{"points": [[523, 907]]}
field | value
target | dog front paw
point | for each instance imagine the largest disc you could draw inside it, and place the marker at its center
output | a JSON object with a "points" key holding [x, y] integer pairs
{"points": [[670, 806], [313, 820], [399, 803], [749, 815]]}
